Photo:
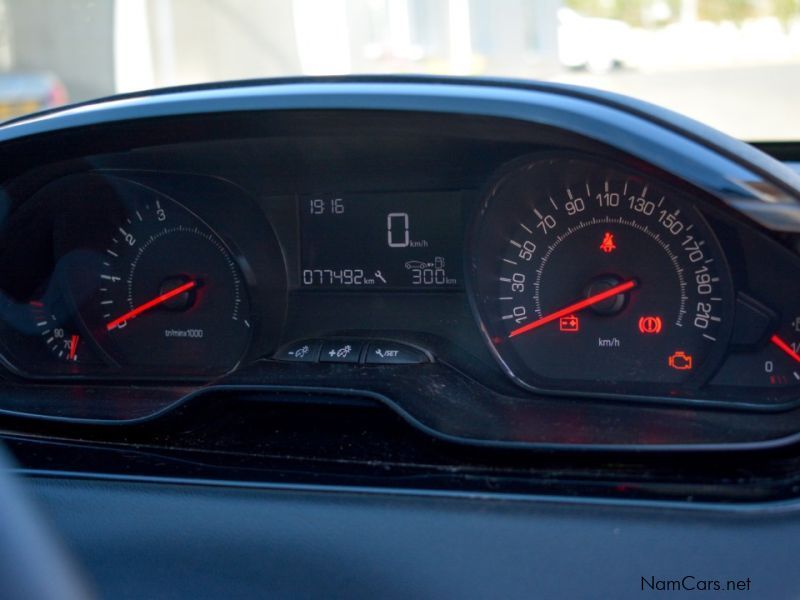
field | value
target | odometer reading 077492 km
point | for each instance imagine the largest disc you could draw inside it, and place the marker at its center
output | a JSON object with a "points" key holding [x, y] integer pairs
{"points": [[588, 278]]}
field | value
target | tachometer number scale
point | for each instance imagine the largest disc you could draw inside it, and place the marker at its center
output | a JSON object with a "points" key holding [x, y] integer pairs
{"points": [[170, 294]]}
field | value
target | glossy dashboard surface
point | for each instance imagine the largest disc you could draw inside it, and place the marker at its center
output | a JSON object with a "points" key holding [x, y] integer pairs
{"points": [[494, 280]]}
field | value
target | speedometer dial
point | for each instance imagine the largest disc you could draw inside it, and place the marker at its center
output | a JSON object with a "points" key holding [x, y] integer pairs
{"points": [[590, 278]]}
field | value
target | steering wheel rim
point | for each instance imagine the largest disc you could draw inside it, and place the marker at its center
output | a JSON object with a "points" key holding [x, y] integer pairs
{"points": [[34, 565]]}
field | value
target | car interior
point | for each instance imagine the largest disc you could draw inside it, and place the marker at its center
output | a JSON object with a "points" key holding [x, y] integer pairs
{"points": [[396, 336]]}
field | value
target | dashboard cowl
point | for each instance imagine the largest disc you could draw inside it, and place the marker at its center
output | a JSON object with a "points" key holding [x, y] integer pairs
{"points": [[229, 140]]}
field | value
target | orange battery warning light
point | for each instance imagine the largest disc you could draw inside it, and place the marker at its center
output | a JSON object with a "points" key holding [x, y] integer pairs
{"points": [[680, 361], [570, 324], [608, 245], [650, 325]]}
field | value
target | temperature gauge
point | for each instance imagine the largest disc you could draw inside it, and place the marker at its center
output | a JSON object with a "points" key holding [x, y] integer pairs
{"points": [[62, 341]]}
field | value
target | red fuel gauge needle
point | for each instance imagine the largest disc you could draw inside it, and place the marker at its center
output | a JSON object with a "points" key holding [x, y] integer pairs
{"points": [[150, 304], [73, 346], [573, 308], [785, 347]]}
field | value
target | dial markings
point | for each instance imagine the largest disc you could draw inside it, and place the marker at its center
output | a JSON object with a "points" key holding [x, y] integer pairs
{"points": [[555, 276]]}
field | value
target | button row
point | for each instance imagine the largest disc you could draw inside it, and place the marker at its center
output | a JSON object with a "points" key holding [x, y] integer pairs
{"points": [[353, 352]]}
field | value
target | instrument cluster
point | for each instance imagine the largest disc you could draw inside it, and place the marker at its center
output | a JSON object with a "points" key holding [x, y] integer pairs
{"points": [[494, 284], [585, 276]]}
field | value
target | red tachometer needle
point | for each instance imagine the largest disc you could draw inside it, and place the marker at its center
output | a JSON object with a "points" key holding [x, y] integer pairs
{"points": [[785, 347], [73, 347], [573, 308], [150, 304]]}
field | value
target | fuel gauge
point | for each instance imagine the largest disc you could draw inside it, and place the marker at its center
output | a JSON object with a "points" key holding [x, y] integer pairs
{"points": [[783, 370], [773, 362]]}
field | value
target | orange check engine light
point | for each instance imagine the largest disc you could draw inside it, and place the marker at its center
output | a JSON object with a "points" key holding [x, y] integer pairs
{"points": [[680, 361]]}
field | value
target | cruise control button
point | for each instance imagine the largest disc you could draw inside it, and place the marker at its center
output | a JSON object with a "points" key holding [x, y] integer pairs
{"points": [[394, 353], [337, 351], [305, 351]]}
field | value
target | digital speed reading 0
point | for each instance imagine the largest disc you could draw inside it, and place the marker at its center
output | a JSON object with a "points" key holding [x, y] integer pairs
{"points": [[381, 241]]}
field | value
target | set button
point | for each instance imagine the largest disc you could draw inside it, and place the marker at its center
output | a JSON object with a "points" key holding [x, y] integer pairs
{"points": [[394, 353]]}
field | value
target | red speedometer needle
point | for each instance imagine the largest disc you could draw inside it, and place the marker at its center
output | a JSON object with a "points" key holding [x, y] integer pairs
{"points": [[785, 347], [150, 304], [573, 308]]}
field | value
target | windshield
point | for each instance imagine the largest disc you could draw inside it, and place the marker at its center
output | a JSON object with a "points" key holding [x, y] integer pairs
{"points": [[734, 64]]}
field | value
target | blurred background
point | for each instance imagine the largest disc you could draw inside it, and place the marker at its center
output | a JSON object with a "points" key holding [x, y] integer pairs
{"points": [[734, 64]]}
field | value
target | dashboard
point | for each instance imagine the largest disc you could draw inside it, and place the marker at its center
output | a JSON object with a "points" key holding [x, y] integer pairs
{"points": [[584, 276], [492, 311], [493, 279]]}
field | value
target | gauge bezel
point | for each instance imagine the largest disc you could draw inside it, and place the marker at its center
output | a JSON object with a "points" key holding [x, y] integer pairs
{"points": [[619, 163], [263, 280]]}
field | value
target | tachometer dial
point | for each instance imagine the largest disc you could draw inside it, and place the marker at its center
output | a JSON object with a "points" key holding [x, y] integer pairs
{"points": [[589, 278], [170, 297]]}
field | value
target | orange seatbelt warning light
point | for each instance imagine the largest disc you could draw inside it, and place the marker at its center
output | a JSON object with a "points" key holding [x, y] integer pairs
{"points": [[608, 245]]}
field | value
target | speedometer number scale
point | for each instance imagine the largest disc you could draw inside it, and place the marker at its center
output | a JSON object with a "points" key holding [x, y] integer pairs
{"points": [[589, 278]]}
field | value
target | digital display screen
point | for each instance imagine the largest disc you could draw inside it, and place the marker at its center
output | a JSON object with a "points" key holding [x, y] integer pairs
{"points": [[381, 241]]}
